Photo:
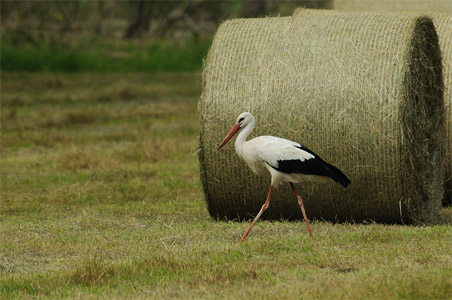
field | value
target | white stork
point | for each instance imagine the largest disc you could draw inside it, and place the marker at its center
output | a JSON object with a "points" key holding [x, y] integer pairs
{"points": [[285, 160]]}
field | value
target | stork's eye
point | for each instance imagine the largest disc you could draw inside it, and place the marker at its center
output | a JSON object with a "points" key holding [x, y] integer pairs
{"points": [[240, 120]]}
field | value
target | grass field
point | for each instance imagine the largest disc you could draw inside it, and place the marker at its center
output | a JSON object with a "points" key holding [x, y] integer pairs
{"points": [[100, 198], [104, 56]]}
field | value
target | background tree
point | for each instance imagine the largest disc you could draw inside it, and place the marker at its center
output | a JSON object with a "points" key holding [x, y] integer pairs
{"points": [[59, 22]]}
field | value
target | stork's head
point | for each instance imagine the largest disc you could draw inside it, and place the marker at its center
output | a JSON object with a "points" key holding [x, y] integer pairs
{"points": [[244, 119]]}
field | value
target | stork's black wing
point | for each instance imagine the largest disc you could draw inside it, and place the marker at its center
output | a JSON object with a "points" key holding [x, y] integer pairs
{"points": [[312, 166]]}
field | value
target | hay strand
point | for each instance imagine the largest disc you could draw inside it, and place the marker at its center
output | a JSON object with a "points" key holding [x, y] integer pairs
{"points": [[361, 90]]}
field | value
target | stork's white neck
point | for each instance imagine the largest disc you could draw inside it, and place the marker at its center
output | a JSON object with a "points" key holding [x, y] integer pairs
{"points": [[243, 134]]}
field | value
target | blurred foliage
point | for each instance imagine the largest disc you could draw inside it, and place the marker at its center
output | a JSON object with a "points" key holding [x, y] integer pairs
{"points": [[57, 21], [92, 35]]}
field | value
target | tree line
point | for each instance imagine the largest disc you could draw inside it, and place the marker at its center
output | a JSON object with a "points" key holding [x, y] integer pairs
{"points": [[57, 21]]}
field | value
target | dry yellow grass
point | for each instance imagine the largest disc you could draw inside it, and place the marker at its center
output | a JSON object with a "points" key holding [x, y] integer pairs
{"points": [[113, 208]]}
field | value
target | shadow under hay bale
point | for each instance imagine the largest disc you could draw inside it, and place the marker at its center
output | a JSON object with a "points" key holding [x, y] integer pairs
{"points": [[364, 91]]}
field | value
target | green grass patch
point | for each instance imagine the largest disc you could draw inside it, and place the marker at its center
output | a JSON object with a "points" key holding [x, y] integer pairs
{"points": [[100, 198], [105, 56]]}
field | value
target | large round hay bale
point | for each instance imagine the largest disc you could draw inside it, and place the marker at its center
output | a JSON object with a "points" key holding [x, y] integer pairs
{"points": [[441, 12], [364, 91], [423, 6], [443, 24]]}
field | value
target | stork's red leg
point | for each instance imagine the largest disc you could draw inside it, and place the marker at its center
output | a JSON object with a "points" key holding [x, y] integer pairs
{"points": [[300, 202], [264, 207]]}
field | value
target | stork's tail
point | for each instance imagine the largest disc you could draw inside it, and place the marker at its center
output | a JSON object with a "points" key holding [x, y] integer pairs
{"points": [[338, 176]]}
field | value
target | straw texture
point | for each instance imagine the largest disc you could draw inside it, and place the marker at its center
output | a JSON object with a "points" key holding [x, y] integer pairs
{"points": [[363, 90], [441, 12]]}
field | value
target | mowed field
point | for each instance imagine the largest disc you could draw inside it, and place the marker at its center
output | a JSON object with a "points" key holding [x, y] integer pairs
{"points": [[101, 198]]}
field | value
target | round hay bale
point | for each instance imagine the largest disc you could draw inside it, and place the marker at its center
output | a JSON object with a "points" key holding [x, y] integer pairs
{"points": [[443, 24], [441, 12], [423, 6], [364, 91]]}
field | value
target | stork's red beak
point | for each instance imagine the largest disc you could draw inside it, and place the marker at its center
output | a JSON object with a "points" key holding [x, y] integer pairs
{"points": [[230, 135]]}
